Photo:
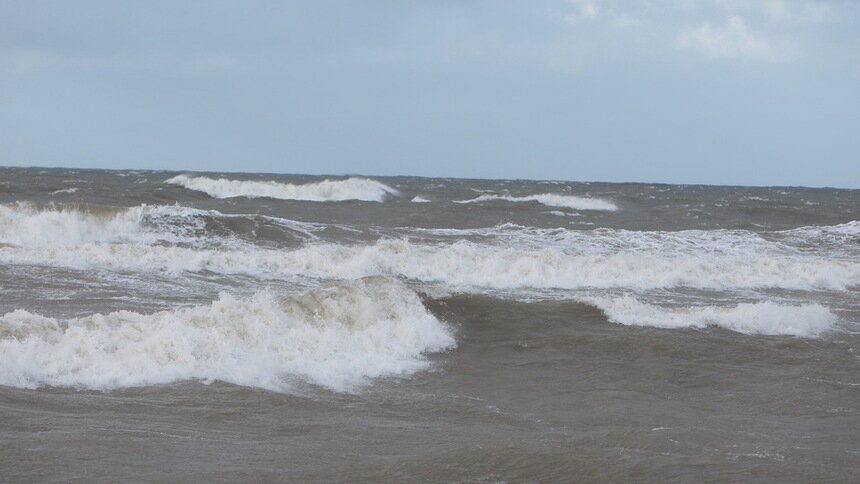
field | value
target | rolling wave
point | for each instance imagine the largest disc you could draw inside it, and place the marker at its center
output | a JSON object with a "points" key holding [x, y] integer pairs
{"points": [[30, 225], [761, 317], [462, 265], [766, 317], [180, 239], [324, 191], [552, 200], [337, 336]]}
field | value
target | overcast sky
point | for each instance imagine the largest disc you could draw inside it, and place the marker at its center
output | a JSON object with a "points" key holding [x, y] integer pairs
{"points": [[753, 92]]}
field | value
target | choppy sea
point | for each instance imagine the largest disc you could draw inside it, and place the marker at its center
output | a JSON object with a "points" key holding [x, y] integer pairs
{"points": [[168, 326]]}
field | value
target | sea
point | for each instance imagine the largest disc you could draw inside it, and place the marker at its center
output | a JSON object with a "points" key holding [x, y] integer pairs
{"points": [[164, 326]]}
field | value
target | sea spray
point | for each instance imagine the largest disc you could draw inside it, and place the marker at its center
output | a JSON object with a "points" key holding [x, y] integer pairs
{"points": [[337, 336]]}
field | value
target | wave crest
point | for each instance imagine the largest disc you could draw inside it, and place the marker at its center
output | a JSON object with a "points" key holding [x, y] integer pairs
{"points": [[552, 200], [325, 191], [463, 264], [35, 226], [767, 317], [336, 336]]}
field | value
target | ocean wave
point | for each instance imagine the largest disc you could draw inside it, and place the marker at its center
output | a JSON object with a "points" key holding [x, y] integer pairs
{"points": [[843, 235], [337, 336], [324, 191], [463, 264], [552, 200], [63, 225], [182, 239], [38, 226], [30, 225], [65, 190], [767, 317]]}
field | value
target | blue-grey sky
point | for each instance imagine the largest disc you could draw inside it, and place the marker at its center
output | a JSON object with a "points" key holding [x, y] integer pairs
{"points": [[753, 92]]}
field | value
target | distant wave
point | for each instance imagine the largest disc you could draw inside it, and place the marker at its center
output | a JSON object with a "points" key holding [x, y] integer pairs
{"points": [[552, 200], [66, 190], [807, 320], [336, 336], [324, 191]]}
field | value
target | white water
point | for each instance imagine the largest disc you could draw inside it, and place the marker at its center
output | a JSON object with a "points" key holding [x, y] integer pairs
{"points": [[63, 226], [807, 320], [336, 336], [324, 191], [28, 225], [462, 265], [552, 200], [509, 257]]}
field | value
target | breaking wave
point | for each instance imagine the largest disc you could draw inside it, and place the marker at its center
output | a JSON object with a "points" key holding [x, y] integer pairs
{"points": [[40, 226], [552, 200], [324, 191], [35, 226], [806, 320], [337, 336], [464, 264], [180, 239]]}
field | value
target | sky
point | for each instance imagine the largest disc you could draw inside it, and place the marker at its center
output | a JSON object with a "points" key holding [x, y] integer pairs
{"points": [[730, 92]]}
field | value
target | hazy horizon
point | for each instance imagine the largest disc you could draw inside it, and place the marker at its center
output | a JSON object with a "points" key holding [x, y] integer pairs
{"points": [[395, 175], [717, 92]]}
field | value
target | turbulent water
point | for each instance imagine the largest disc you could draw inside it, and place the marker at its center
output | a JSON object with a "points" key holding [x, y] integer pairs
{"points": [[163, 326]]}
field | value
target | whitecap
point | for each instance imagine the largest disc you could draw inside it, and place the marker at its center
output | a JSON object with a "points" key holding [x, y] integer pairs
{"points": [[767, 317], [552, 200], [323, 191], [337, 336]]}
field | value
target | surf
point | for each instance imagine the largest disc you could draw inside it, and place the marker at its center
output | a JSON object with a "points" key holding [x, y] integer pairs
{"points": [[362, 189], [338, 336]]}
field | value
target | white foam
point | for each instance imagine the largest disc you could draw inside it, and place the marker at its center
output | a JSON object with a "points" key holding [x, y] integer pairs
{"points": [[66, 190], [551, 200], [419, 199], [174, 239], [463, 265], [29, 225], [337, 336], [848, 228], [807, 320], [324, 191]]}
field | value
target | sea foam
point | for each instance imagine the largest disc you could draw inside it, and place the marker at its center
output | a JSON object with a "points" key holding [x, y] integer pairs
{"points": [[38, 226], [552, 200], [767, 317], [337, 336], [463, 265], [324, 191], [42, 226], [176, 239]]}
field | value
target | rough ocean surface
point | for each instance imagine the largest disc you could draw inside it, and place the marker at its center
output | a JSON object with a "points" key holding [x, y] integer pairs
{"points": [[161, 326]]}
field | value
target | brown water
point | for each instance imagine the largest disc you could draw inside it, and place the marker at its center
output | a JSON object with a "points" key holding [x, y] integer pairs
{"points": [[540, 332]]}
